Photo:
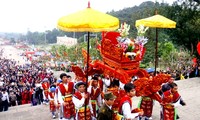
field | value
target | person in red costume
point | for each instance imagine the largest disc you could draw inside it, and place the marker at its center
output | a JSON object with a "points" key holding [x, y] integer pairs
{"points": [[81, 100], [170, 100], [100, 82], [95, 93], [118, 92], [65, 91], [52, 101], [146, 103], [26, 96], [125, 105], [45, 87]]}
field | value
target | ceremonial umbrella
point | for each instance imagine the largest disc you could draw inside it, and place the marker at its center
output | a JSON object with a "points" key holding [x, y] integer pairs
{"points": [[156, 21], [88, 20]]}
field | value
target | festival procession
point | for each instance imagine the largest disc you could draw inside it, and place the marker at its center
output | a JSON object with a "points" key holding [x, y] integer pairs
{"points": [[100, 84]]}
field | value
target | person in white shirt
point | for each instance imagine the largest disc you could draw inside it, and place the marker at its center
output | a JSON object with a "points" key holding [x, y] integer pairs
{"points": [[64, 96], [82, 102], [5, 100], [52, 100], [125, 105], [1, 81], [95, 94]]}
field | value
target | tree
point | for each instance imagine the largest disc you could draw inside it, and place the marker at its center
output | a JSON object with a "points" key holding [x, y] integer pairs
{"points": [[12, 40], [186, 13]]}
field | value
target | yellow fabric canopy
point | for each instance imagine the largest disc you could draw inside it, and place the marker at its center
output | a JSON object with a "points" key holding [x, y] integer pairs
{"points": [[156, 21], [89, 20]]}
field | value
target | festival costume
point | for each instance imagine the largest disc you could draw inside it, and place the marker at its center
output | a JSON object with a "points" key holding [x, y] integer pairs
{"points": [[95, 94], [25, 97], [146, 104], [100, 84], [170, 101], [52, 105], [45, 87], [80, 102], [125, 108], [51, 97], [65, 92], [119, 93]]}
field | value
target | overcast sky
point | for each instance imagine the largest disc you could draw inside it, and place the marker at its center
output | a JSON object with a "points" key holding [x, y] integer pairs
{"points": [[40, 15]]}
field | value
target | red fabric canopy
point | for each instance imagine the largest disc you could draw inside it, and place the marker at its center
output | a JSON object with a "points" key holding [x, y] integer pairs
{"points": [[112, 36]]}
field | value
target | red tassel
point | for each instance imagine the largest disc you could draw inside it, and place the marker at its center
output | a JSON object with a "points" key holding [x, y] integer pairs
{"points": [[88, 4]]}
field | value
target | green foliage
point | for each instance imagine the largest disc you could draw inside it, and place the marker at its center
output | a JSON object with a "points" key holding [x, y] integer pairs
{"points": [[12, 40], [143, 66], [187, 14], [35, 38], [166, 51]]}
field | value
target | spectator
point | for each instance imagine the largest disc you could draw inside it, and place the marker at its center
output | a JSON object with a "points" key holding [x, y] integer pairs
{"points": [[13, 99], [5, 100]]}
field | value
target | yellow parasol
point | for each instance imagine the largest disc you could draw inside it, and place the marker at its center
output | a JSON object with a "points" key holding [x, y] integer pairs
{"points": [[88, 20], [156, 21]]}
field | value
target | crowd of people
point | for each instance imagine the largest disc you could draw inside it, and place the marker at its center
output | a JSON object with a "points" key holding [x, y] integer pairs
{"points": [[18, 83], [102, 98], [184, 72]]}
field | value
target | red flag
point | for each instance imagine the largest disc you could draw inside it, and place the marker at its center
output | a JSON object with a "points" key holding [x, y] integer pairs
{"points": [[65, 53], [198, 48], [194, 60], [57, 55], [98, 46]]}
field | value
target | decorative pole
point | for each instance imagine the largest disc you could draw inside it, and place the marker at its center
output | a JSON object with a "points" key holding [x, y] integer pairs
{"points": [[156, 46]]}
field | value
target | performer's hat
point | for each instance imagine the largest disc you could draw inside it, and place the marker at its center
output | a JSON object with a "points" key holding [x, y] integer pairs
{"points": [[109, 95], [94, 78], [80, 83], [52, 88], [96, 75]]}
